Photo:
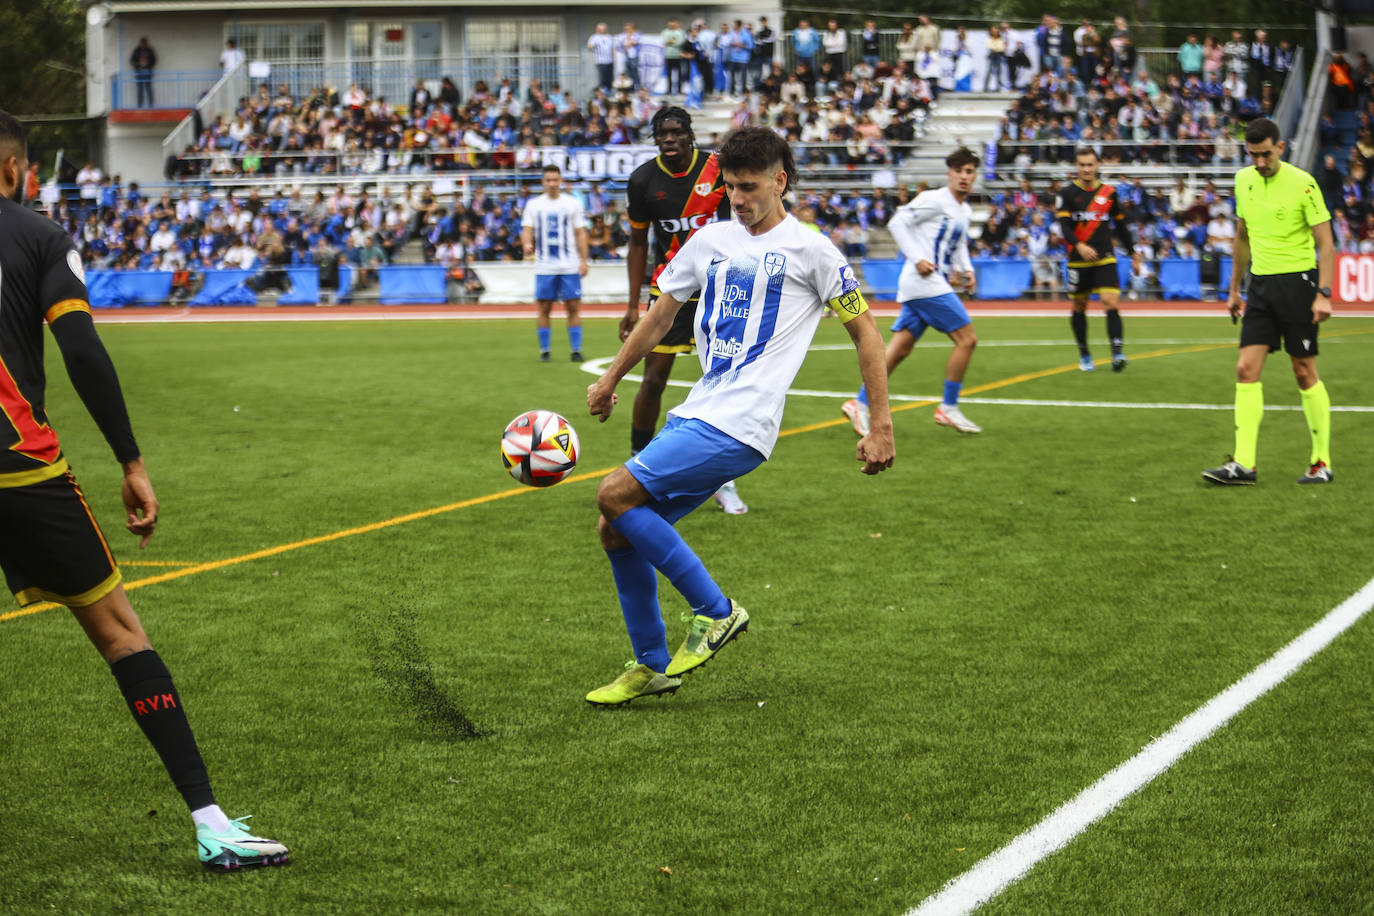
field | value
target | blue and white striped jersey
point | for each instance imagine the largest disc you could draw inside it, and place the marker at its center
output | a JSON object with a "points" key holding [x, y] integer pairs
{"points": [[762, 298], [934, 228], [555, 224]]}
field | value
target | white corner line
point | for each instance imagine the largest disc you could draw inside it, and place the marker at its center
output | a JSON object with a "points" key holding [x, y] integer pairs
{"points": [[993, 874]]}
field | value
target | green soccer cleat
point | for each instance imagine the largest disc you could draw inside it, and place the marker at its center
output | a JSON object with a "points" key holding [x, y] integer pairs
{"points": [[236, 847], [637, 681], [706, 637]]}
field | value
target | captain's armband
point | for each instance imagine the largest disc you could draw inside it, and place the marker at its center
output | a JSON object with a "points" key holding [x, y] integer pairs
{"points": [[849, 306]]}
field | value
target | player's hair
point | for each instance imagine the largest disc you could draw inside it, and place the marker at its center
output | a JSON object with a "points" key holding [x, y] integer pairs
{"points": [[1085, 151], [552, 168], [757, 149], [670, 113], [961, 157], [12, 139], [1261, 129]]}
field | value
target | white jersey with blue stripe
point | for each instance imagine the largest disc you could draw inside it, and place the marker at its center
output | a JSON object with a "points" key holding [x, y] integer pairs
{"points": [[934, 228], [555, 224], [762, 298]]}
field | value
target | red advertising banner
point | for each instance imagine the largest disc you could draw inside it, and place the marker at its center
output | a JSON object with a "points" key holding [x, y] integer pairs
{"points": [[1354, 280]]}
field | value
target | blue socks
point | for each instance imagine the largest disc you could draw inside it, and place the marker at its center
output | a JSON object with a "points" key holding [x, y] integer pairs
{"points": [[575, 338], [862, 396], [545, 339], [658, 543], [952, 390], [636, 583]]}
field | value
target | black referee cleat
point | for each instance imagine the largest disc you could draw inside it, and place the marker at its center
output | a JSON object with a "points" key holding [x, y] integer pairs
{"points": [[1232, 473], [1317, 473], [576, 356]]}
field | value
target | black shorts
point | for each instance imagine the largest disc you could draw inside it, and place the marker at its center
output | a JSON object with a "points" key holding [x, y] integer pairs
{"points": [[681, 337], [1084, 281], [51, 548], [1280, 306]]}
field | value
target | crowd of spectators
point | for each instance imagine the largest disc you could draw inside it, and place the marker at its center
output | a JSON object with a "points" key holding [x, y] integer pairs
{"points": [[1093, 92], [1086, 88], [355, 133], [117, 228]]}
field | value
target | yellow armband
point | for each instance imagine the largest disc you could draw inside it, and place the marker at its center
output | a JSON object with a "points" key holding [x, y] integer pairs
{"points": [[849, 306]]}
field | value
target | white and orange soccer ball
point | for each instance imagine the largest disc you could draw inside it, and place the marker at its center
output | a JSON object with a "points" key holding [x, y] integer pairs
{"points": [[539, 448]]}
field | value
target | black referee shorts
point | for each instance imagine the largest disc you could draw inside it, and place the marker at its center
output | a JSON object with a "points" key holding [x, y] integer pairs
{"points": [[1279, 306], [51, 548], [681, 337]]}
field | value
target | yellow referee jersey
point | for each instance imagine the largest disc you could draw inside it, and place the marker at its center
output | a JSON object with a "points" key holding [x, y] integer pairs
{"points": [[1279, 214]]}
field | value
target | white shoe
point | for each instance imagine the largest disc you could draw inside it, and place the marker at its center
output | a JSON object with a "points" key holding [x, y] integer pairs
{"points": [[950, 415], [728, 499], [857, 414]]}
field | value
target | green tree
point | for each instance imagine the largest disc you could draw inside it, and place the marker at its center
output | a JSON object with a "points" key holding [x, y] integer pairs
{"points": [[42, 67]]}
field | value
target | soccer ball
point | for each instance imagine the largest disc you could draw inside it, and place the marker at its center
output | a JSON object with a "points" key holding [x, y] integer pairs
{"points": [[539, 448]]}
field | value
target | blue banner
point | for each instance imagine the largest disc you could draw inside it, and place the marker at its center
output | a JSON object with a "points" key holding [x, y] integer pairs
{"points": [[116, 288], [226, 287], [402, 283]]}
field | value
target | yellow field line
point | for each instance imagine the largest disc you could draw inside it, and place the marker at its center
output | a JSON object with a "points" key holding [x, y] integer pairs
{"points": [[195, 569]]}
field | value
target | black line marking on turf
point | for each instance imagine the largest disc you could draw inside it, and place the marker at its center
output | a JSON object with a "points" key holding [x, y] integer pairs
{"points": [[400, 663]]}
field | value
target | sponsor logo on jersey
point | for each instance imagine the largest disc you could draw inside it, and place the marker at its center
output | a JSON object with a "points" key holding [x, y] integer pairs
{"points": [[848, 282], [726, 349], [733, 293], [685, 223]]}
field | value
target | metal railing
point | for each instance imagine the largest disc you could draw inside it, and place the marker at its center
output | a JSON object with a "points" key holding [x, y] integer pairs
{"points": [[1304, 143], [160, 89], [221, 95]]}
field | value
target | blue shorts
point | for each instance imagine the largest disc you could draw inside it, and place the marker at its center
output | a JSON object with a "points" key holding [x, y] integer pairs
{"points": [[944, 313], [557, 287], [688, 461]]}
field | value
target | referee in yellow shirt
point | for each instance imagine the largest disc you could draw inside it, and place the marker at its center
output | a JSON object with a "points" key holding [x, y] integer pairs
{"points": [[1279, 216]]}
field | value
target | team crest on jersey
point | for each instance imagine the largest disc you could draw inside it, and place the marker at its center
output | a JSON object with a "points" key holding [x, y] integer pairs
{"points": [[774, 263], [703, 188], [74, 262]]}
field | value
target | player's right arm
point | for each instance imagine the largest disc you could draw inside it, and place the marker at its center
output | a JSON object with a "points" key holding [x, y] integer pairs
{"points": [[909, 242], [637, 264], [645, 336], [1240, 266]]}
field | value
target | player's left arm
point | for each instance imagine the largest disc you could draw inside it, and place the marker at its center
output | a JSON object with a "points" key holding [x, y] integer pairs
{"points": [[583, 250], [877, 450], [835, 279], [93, 376], [1326, 269], [964, 265], [1119, 224]]}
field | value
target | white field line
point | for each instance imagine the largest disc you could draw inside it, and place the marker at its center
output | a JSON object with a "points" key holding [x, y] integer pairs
{"points": [[597, 366], [990, 876]]}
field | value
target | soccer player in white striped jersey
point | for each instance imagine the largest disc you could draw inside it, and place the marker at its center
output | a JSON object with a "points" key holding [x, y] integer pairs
{"points": [[932, 233], [553, 228], [765, 282]]}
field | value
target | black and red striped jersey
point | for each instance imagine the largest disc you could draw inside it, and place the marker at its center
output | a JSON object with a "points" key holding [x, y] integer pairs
{"points": [[675, 204], [1093, 216]]}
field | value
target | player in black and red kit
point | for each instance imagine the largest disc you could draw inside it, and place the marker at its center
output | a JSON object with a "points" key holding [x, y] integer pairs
{"points": [[50, 545], [676, 193], [1089, 213]]}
